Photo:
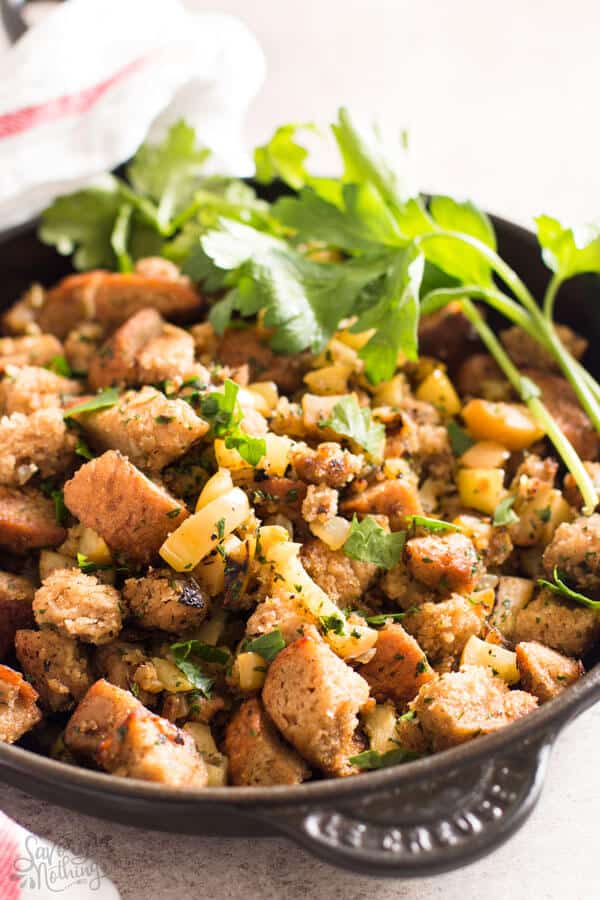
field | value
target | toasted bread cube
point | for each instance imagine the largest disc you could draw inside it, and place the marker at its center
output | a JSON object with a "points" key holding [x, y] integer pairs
{"points": [[399, 666], [462, 705], [16, 597], [28, 521], [165, 602], [123, 506], [443, 629], [575, 551], [257, 755], [35, 444], [151, 748], [345, 580], [564, 626], [446, 562], [314, 699], [544, 672], [147, 427], [18, 707], [79, 606], [56, 665], [97, 715]]}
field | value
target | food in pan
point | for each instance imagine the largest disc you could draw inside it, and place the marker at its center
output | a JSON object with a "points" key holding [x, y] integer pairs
{"points": [[278, 500]]}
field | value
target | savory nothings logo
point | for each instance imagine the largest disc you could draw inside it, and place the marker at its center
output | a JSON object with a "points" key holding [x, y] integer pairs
{"points": [[42, 868]]}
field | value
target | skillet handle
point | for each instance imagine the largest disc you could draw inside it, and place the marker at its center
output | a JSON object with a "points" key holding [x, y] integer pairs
{"points": [[433, 826]]}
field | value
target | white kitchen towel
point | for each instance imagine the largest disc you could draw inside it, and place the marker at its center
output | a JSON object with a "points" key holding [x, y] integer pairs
{"points": [[83, 88]]}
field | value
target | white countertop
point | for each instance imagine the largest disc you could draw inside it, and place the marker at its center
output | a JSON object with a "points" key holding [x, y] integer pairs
{"points": [[502, 105]]}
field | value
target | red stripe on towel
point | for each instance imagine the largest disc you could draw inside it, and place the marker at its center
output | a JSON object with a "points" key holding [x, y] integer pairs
{"points": [[21, 120]]}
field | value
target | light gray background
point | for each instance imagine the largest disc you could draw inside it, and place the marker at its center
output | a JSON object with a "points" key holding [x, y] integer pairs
{"points": [[502, 105]]}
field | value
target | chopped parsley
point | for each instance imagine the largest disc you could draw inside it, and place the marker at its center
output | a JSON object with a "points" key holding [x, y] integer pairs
{"points": [[173, 513], [103, 400], [223, 412], [60, 366], [355, 422], [334, 623], [460, 440], [206, 652], [504, 514], [88, 566], [82, 449], [60, 510], [369, 542], [432, 524], [266, 645], [190, 668], [372, 759]]}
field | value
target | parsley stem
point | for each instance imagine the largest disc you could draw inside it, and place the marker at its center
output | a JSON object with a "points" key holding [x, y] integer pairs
{"points": [[541, 322], [561, 443], [437, 299], [550, 295]]}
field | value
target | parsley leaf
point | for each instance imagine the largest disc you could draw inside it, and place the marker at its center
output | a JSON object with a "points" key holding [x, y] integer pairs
{"points": [[432, 524], [103, 400], [559, 587], [60, 510], [82, 449], [167, 173], [282, 157], [82, 224], [335, 623], [568, 251], [221, 409], [88, 567], [458, 259], [304, 301], [460, 440], [504, 514], [395, 317], [372, 759], [353, 217], [203, 651], [60, 366], [355, 422], [266, 645], [192, 670], [368, 542]]}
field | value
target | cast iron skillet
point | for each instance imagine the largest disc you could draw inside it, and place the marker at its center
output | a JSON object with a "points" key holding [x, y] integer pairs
{"points": [[418, 819]]}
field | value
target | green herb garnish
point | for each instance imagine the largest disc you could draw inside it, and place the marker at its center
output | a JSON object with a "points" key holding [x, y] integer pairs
{"points": [[221, 409], [266, 645], [88, 567], [504, 514], [460, 440], [432, 524], [368, 542], [336, 623], [355, 422], [206, 652], [60, 366], [103, 400], [372, 759], [559, 587]]}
